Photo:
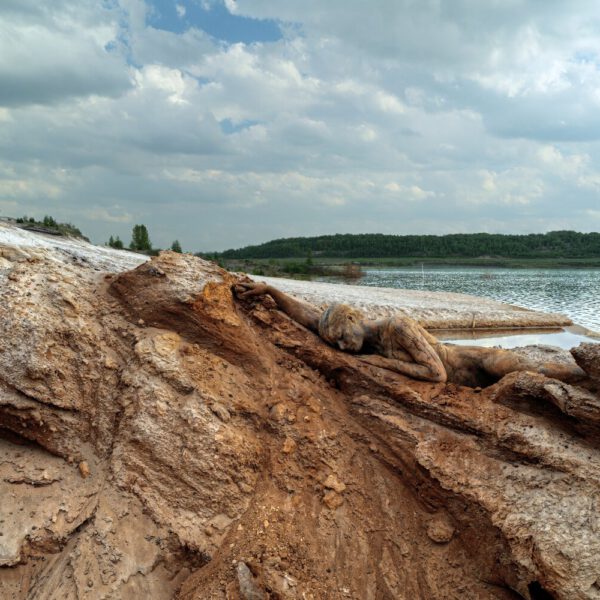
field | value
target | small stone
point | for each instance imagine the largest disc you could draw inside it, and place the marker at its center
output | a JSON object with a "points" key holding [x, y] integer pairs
{"points": [[220, 411], [332, 499], [141, 321], [277, 411], [289, 445], [110, 363], [333, 483], [84, 469], [249, 587], [440, 530]]}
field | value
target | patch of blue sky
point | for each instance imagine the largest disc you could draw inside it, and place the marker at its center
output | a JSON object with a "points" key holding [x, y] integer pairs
{"points": [[121, 42], [586, 57], [213, 18], [201, 80], [228, 126]]}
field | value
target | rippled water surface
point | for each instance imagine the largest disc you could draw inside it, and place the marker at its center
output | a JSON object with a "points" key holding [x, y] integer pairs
{"points": [[575, 293]]}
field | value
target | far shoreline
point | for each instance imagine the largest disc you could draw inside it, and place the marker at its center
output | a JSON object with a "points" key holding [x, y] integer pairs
{"points": [[250, 264]]}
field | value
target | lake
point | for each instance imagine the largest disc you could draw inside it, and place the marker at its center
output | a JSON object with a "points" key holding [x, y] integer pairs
{"points": [[572, 292]]}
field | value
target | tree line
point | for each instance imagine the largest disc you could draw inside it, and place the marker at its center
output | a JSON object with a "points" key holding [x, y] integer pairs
{"points": [[140, 242], [50, 225], [555, 244], [140, 238]]}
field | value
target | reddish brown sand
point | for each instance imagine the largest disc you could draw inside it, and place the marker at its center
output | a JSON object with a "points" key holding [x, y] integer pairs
{"points": [[161, 440]]}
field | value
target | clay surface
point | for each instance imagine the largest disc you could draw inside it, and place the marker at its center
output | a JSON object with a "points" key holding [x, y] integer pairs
{"points": [[159, 439]]}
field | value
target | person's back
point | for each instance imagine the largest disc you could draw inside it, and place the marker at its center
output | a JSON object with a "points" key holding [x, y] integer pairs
{"points": [[465, 365]]}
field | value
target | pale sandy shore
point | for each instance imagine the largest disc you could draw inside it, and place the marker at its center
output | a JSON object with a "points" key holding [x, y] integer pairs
{"points": [[434, 310], [439, 310]]}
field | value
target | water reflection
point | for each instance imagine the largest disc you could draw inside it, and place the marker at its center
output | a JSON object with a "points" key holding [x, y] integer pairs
{"points": [[568, 338], [572, 292]]}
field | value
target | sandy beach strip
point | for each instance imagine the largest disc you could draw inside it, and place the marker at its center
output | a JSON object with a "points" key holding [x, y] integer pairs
{"points": [[434, 310]]}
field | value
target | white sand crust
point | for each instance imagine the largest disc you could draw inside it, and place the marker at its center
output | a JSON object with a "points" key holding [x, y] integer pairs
{"points": [[434, 310], [102, 258]]}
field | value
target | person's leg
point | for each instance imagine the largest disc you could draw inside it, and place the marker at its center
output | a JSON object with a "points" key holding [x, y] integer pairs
{"points": [[499, 363]]}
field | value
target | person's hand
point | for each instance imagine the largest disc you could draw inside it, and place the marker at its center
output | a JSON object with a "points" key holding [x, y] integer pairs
{"points": [[247, 289]]}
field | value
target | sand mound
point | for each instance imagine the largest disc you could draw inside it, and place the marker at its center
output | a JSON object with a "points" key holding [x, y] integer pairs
{"points": [[161, 440]]}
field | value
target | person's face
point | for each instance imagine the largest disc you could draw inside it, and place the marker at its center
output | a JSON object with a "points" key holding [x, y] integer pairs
{"points": [[351, 337]]}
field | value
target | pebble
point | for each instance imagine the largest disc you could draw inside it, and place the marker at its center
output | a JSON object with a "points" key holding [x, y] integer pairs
{"points": [[440, 530], [333, 483], [289, 445], [332, 499]]}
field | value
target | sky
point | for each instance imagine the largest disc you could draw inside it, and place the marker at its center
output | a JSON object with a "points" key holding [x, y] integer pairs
{"points": [[223, 123]]}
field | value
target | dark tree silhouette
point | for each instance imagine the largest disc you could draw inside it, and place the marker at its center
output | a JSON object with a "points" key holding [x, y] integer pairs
{"points": [[140, 240]]}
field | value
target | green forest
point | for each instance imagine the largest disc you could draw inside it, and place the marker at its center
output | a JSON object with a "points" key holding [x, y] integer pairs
{"points": [[555, 244]]}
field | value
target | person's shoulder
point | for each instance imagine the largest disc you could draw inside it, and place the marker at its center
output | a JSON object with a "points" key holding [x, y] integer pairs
{"points": [[401, 321]]}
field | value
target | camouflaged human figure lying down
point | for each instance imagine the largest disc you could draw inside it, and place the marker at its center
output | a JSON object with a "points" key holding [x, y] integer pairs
{"points": [[400, 344]]}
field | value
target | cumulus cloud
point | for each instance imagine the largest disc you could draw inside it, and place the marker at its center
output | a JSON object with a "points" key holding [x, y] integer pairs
{"points": [[59, 50], [391, 116]]}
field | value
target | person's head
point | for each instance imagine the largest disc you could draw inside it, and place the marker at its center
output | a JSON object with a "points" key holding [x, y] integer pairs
{"points": [[341, 325]]}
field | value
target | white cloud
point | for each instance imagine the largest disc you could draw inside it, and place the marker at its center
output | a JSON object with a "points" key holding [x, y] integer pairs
{"points": [[170, 81], [418, 193], [398, 117], [180, 8], [46, 57], [231, 6], [103, 214], [565, 165]]}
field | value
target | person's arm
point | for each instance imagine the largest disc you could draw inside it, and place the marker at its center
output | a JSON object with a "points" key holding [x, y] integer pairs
{"points": [[299, 311], [413, 354]]}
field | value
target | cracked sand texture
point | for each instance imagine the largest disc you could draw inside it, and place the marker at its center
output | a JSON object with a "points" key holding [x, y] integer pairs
{"points": [[159, 439]]}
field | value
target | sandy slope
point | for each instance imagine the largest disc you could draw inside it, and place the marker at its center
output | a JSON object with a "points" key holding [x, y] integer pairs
{"points": [[77, 251], [160, 439]]}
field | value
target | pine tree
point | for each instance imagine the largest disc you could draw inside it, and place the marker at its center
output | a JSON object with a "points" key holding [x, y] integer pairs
{"points": [[176, 247], [140, 240], [115, 242], [49, 221]]}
